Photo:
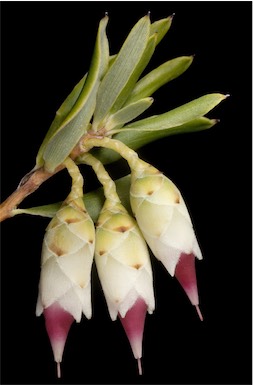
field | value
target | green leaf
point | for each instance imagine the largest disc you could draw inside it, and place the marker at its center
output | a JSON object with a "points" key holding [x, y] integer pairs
{"points": [[161, 27], [122, 74], [47, 211], [158, 28], [163, 74], [93, 202], [128, 113], [60, 115], [180, 115], [74, 125], [139, 137]]}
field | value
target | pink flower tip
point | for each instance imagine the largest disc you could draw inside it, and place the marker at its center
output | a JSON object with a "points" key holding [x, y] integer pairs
{"points": [[58, 322], [186, 275], [133, 324]]}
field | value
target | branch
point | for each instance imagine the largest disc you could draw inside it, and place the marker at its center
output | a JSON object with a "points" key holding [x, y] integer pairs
{"points": [[30, 183]]}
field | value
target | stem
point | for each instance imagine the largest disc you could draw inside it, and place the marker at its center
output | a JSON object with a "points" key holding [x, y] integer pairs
{"points": [[135, 163], [103, 177], [30, 183], [25, 188], [77, 180]]}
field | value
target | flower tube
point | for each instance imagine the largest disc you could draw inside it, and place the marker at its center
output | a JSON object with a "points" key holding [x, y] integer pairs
{"points": [[67, 256]]}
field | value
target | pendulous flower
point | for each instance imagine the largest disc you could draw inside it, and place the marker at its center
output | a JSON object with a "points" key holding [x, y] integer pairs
{"points": [[124, 269], [67, 256], [166, 225]]}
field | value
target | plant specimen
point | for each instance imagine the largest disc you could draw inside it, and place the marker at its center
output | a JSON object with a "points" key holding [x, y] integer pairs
{"points": [[96, 125]]}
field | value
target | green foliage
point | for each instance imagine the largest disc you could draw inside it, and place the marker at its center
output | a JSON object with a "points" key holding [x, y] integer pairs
{"points": [[110, 98]]}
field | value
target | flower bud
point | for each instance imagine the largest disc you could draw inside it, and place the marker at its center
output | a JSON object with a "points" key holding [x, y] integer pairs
{"points": [[124, 269], [67, 256], [164, 220]]}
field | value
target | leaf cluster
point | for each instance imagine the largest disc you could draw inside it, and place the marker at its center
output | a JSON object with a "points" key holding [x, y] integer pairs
{"points": [[108, 100]]}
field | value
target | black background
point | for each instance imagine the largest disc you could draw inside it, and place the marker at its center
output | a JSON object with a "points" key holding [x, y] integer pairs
{"points": [[46, 49]]}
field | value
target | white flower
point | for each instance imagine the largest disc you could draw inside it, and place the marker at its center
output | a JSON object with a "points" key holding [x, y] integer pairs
{"points": [[165, 223], [122, 261], [67, 256], [163, 218], [64, 288], [124, 269]]}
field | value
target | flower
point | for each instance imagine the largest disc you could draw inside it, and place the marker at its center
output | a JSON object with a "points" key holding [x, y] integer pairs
{"points": [[166, 225], [124, 269], [64, 288]]}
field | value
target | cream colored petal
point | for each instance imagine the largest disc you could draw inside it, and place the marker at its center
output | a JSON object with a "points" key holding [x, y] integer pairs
{"points": [[135, 203], [39, 306], [46, 253], [153, 219], [84, 230], [196, 249], [145, 186], [128, 302], [164, 253], [86, 301], [132, 251], [71, 303], [119, 222], [116, 279], [77, 266], [68, 213], [62, 241], [53, 282], [167, 194], [107, 240], [179, 233], [144, 287], [182, 208], [55, 221]]}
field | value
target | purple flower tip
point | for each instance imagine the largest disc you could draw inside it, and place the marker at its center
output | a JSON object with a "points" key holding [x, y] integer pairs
{"points": [[58, 322], [133, 324], [186, 275]]}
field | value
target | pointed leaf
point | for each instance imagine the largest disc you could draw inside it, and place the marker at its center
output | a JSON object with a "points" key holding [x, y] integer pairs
{"points": [[76, 122], [163, 74], [128, 113], [139, 137], [161, 27], [123, 73], [180, 115], [60, 115]]}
